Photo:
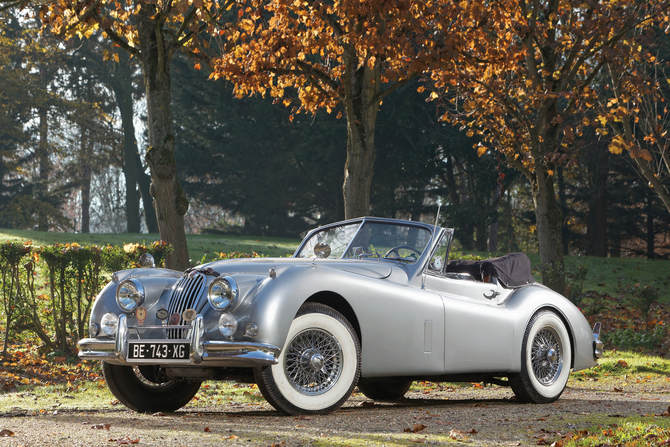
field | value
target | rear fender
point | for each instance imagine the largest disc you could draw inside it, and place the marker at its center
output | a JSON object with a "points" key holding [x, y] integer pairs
{"points": [[527, 301]]}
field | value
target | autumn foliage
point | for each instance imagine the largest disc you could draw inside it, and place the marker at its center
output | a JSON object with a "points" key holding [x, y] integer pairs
{"points": [[529, 82], [314, 55], [311, 46]]}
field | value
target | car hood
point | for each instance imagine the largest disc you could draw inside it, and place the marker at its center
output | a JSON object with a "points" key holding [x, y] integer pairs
{"points": [[261, 266]]}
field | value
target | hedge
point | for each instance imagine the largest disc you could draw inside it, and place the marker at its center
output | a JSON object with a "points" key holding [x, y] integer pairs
{"points": [[49, 290]]}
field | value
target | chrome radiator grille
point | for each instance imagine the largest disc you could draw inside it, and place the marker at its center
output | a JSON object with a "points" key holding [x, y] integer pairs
{"points": [[185, 295]]}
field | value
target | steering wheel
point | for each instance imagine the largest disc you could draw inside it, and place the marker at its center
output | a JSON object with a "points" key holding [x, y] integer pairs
{"points": [[402, 247]]}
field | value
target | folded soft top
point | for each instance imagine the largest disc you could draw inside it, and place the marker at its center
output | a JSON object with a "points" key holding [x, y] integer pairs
{"points": [[513, 269]]}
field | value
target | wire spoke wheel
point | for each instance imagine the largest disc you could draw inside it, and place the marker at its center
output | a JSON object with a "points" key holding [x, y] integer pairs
{"points": [[318, 367], [313, 361], [546, 354]]}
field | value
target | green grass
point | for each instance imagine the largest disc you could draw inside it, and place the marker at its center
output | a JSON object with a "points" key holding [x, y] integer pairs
{"points": [[605, 275], [634, 367]]}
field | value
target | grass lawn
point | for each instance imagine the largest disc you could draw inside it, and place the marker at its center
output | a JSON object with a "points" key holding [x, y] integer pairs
{"points": [[605, 275]]}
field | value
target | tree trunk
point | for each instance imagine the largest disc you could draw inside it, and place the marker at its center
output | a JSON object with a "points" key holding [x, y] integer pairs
{"points": [[121, 83], [564, 211], [361, 86], [86, 199], [169, 198], [144, 182], [549, 228], [615, 242], [123, 91], [493, 229], [481, 243], [43, 156], [651, 234], [597, 215]]}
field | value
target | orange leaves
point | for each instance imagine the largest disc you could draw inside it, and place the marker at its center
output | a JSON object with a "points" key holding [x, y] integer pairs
{"points": [[314, 47], [125, 440], [416, 429]]}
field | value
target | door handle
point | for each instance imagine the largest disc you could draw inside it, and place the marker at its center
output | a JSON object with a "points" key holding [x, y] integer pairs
{"points": [[494, 293]]}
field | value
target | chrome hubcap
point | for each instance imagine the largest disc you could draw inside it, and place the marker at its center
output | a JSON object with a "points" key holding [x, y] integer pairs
{"points": [[313, 362], [546, 356]]}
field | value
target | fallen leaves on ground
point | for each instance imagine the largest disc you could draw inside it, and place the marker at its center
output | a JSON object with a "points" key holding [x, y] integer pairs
{"points": [[416, 429], [125, 440], [457, 435], [101, 426], [6, 433], [25, 366]]}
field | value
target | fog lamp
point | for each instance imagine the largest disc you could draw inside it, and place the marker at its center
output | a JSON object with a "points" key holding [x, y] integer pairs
{"points": [[227, 324], [109, 323]]}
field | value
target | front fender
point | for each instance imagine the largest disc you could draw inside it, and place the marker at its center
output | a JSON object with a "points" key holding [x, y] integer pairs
{"points": [[277, 300], [527, 301]]}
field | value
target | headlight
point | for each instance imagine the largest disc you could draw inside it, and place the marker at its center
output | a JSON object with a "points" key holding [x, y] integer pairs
{"points": [[109, 323], [227, 324], [93, 330], [130, 294], [222, 293]]}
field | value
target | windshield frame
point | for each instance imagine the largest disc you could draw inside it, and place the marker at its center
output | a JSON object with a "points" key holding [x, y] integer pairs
{"points": [[362, 222]]}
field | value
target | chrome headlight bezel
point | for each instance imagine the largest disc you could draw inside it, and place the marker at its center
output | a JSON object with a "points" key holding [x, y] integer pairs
{"points": [[222, 293], [130, 295]]}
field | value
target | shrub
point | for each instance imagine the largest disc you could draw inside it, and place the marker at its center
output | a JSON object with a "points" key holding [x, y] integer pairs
{"points": [[630, 338], [72, 276], [640, 297]]}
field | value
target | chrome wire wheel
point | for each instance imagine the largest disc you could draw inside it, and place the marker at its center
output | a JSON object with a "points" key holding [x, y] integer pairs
{"points": [[546, 356], [319, 366], [313, 361]]}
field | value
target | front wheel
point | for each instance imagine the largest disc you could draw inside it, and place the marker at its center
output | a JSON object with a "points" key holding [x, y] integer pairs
{"points": [[545, 360], [319, 366], [140, 392]]}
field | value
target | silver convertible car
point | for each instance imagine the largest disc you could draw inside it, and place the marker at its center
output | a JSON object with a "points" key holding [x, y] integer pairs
{"points": [[368, 302]]}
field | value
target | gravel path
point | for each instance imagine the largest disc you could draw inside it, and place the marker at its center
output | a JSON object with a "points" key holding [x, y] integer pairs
{"points": [[458, 416]]}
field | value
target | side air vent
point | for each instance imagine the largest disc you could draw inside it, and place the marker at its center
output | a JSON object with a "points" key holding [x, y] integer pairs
{"points": [[185, 295]]}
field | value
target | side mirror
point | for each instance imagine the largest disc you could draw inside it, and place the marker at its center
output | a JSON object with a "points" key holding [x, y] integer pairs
{"points": [[322, 250], [147, 261]]}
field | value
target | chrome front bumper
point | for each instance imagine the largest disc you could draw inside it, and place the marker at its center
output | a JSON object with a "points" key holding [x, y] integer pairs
{"points": [[223, 353]]}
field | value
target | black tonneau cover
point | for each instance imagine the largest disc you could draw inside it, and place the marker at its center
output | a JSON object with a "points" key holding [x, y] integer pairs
{"points": [[513, 269]]}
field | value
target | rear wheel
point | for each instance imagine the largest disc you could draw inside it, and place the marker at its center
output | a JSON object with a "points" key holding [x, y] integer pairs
{"points": [[142, 394], [319, 366], [545, 360], [391, 389]]}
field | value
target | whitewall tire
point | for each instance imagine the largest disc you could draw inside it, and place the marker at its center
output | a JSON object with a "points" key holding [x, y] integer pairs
{"points": [[546, 355], [318, 367]]}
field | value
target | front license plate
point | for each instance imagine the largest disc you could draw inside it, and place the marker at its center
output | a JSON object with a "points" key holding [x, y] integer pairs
{"points": [[158, 351]]}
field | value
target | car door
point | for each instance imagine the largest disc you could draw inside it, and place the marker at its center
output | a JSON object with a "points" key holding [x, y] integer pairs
{"points": [[478, 328], [478, 332]]}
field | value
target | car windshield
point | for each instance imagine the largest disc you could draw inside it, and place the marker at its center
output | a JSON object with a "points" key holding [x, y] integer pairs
{"points": [[401, 242]]}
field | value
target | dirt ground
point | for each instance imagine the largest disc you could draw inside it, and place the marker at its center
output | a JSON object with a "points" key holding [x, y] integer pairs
{"points": [[444, 415]]}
